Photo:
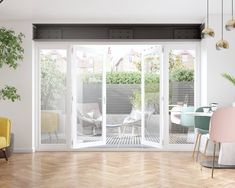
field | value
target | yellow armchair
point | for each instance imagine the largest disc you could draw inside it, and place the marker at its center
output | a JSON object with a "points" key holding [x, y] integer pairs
{"points": [[5, 134], [50, 123]]}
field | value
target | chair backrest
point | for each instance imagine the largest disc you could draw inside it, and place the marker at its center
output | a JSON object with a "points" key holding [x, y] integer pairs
{"points": [[176, 114], [84, 108], [222, 127], [187, 120], [49, 121], [202, 122], [5, 129]]}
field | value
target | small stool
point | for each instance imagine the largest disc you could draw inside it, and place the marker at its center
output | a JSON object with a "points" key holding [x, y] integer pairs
{"points": [[116, 126]]}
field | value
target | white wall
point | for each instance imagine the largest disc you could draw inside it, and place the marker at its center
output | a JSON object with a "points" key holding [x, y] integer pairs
{"points": [[214, 87], [20, 112]]}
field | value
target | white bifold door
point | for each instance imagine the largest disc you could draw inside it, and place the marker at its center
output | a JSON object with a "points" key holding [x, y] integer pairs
{"points": [[53, 96], [89, 94], [117, 94]]}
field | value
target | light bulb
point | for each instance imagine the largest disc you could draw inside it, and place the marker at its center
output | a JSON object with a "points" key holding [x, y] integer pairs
{"points": [[230, 25], [208, 32], [222, 44]]}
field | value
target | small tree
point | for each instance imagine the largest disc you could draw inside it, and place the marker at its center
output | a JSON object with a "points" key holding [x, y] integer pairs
{"points": [[175, 61], [11, 52], [52, 83]]}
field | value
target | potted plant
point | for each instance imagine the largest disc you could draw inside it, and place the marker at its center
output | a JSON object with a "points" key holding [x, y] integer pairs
{"points": [[151, 97], [231, 79], [11, 52]]}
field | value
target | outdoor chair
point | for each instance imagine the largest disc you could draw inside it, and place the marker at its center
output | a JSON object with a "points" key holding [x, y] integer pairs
{"points": [[134, 120], [89, 115], [175, 114], [50, 123], [187, 121]]}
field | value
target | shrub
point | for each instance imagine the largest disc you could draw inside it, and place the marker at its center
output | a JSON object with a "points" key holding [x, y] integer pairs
{"points": [[151, 99], [179, 74], [182, 74], [122, 78], [53, 83]]}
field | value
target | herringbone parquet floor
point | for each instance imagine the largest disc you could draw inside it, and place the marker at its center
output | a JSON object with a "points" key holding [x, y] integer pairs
{"points": [[109, 169]]}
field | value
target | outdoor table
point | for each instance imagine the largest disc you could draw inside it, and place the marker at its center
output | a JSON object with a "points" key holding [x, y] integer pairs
{"points": [[116, 126]]}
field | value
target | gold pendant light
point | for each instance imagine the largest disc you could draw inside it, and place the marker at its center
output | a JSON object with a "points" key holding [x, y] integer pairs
{"points": [[222, 44], [207, 31], [230, 25]]}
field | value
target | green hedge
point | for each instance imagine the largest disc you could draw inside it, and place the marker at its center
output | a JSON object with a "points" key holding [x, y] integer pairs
{"points": [[182, 74], [135, 77], [122, 78], [130, 78]]}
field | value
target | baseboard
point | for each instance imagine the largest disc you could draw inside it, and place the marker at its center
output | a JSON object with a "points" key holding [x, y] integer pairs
{"points": [[24, 150]]}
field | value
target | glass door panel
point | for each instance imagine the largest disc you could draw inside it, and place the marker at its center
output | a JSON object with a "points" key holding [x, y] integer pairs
{"points": [[123, 79], [53, 77], [116, 72], [151, 92], [89, 99], [182, 63]]}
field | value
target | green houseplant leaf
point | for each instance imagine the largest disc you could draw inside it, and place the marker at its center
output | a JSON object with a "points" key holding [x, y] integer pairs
{"points": [[11, 52], [229, 77], [9, 93]]}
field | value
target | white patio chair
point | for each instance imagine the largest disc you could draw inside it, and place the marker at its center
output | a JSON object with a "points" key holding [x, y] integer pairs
{"points": [[134, 120], [89, 115]]}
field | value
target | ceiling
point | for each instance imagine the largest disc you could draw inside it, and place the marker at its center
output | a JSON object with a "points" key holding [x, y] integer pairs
{"points": [[109, 11]]}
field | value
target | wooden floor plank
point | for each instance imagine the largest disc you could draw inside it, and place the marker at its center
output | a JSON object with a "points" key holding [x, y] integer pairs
{"points": [[109, 169]]}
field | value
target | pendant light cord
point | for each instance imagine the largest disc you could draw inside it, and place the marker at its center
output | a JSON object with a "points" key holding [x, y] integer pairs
{"points": [[232, 9], [207, 16], [222, 17]]}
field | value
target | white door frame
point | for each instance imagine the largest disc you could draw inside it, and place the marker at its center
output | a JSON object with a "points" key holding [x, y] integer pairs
{"points": [[76, 145], [167, 44], [197, 98], [143, 132], [51, 147]]}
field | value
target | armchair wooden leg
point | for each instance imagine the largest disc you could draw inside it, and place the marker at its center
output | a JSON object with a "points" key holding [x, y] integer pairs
{"points": [[213, 165], [198, 149], [207, 141], [195, 145], [5, 154]]}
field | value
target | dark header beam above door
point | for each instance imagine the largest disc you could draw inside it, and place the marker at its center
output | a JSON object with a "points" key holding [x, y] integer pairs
{"points": [[117, 31]]}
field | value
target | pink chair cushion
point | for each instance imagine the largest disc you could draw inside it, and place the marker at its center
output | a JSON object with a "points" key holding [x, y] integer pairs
{"points": [[222, 127]]}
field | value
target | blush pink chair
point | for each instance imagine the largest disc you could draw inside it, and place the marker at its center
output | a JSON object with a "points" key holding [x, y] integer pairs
{"points": [[222, 129]]}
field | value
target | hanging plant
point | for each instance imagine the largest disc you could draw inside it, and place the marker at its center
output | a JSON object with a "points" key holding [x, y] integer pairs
{"points": [[11, 53]]}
